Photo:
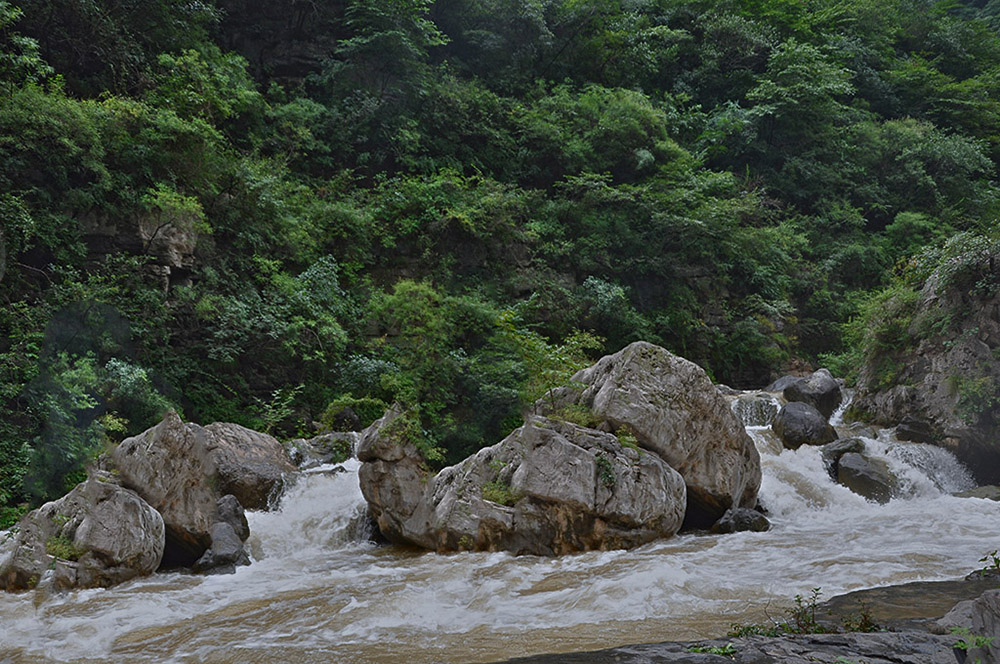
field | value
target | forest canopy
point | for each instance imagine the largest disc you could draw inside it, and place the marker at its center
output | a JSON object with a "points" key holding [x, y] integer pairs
{"points": [[261, 212]]}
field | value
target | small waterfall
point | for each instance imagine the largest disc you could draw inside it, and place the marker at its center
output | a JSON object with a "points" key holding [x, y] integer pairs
{"points": [[756, 409], [837, 419], [320, 511], [935, 463]]}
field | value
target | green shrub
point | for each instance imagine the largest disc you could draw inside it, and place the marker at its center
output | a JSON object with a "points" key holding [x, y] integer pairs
{"points": [[500, 493], [61, 546], [576, 414], [368, 409]]}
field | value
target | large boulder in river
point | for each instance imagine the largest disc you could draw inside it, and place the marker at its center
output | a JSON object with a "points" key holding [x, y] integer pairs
{"points": [[97, 535], [820, 390], [183, 470], [833, 451], [674, 411], [798, 424], [551, 487]]}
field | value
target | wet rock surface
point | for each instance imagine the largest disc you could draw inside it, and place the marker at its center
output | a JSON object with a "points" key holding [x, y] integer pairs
{"points": [[911, 613], [989, 492], [833, 451], [866, 477], [741, 519], [888, 648], [799, 424]]}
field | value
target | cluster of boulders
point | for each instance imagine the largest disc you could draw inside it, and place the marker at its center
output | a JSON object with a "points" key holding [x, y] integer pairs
{"points": [[805, 420], [639, 445], [172, 496]]}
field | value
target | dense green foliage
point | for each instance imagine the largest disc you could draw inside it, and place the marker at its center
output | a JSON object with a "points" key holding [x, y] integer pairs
{"points": [[247, 211]]}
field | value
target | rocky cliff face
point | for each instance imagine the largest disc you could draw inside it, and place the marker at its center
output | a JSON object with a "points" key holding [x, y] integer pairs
{"points": [[946, 389]]}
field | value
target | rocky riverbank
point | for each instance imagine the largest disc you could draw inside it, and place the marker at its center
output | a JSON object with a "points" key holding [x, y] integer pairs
{"points": [[916, 623]]}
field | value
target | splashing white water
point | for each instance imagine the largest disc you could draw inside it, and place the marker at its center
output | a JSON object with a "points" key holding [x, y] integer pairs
{"points": [[314, 594]]}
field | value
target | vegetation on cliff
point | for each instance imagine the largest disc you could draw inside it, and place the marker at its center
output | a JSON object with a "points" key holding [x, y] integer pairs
{"points": [[248, 210]]}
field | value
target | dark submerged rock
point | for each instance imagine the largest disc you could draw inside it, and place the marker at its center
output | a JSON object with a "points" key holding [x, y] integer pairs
{"points": [[866, 477], [741, 519], [833, 451], [989, 492]]}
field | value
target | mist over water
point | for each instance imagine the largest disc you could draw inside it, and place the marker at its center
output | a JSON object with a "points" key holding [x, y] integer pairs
{"points": [[315, 594]]}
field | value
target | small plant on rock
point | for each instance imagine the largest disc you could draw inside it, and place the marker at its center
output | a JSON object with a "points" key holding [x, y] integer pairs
{"points": [[727, 650], [970, 641], [800, 619], [862, 621], [605, 470], [61, 546], [576, 414], [500, 493], [992, 564], [626, 436]]}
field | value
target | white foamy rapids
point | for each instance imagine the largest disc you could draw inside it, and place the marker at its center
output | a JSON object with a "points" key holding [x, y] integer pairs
{"points": [[314, 594]]}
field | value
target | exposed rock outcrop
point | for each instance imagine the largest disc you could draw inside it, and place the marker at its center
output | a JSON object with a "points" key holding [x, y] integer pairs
{"points": [[833, 451], [551, 487], [169, 239], [799, 423], [227, 536], [675, 412], [942, 385], [975, 626], [878, 648], [182, 470], [97, 535]]}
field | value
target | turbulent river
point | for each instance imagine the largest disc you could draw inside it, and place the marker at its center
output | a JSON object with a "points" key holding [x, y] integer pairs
{"points": [[314, 595]]}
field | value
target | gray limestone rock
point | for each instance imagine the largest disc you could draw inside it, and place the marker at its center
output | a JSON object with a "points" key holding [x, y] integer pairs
{"points": [[676, 413], [97, 535], [182, 470], [551, 487]]}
